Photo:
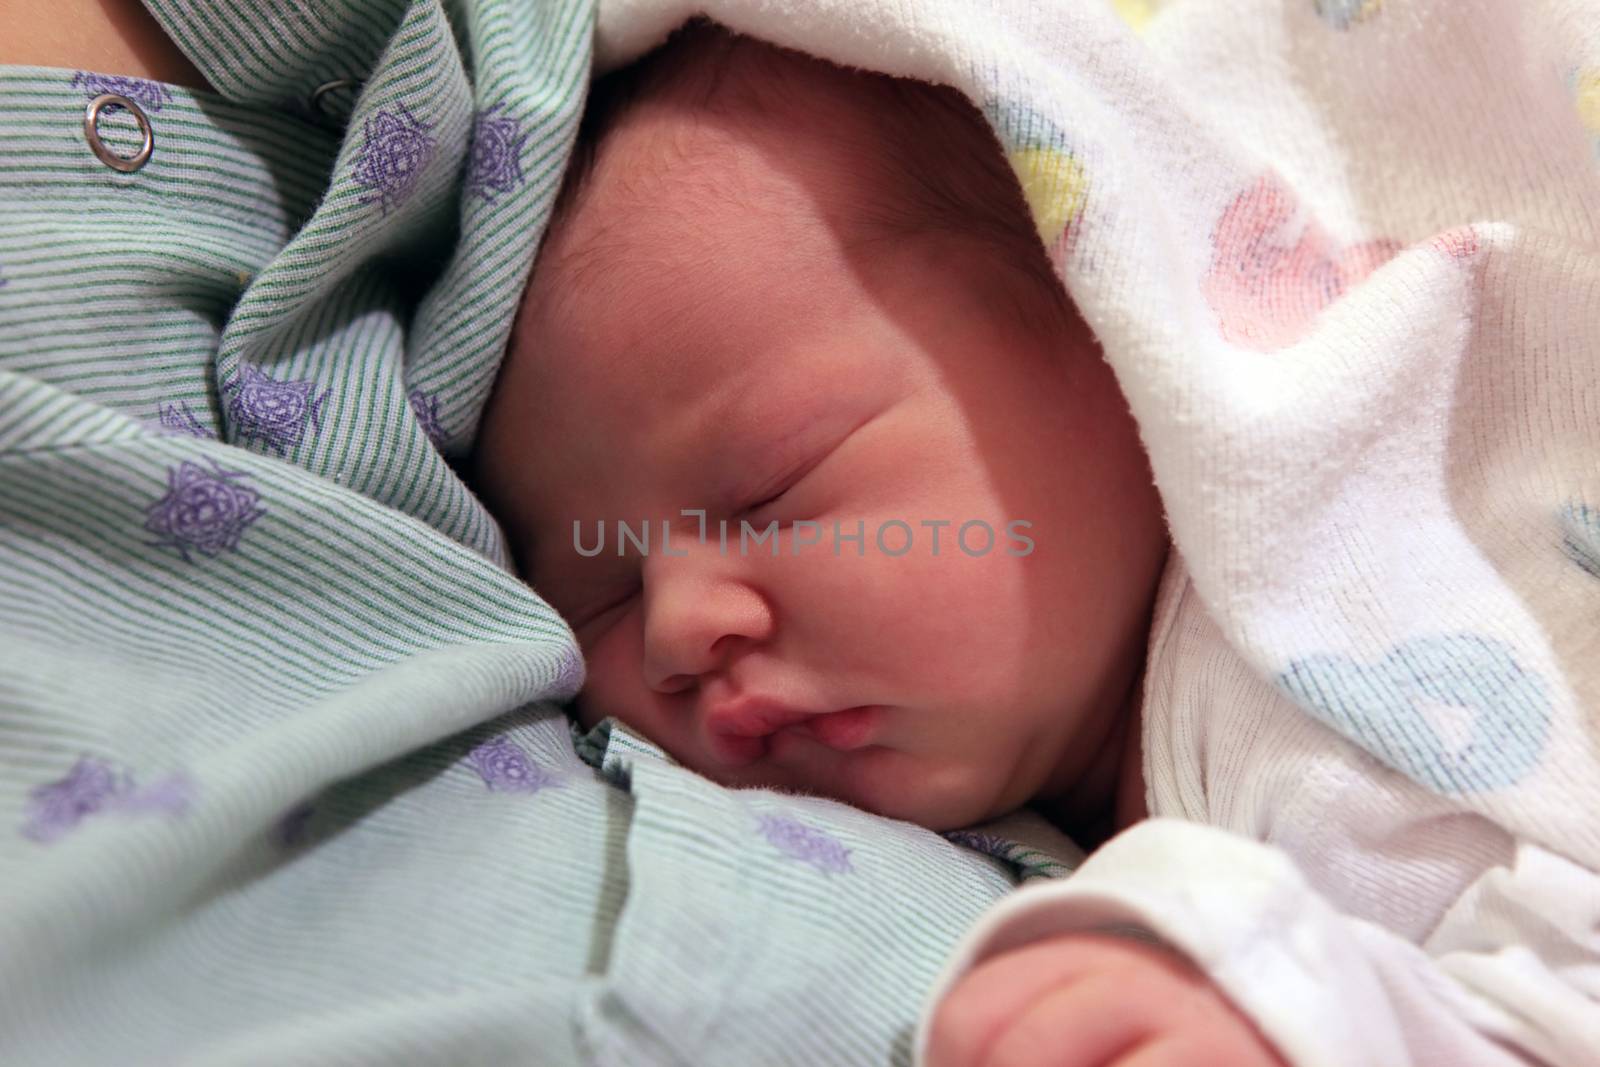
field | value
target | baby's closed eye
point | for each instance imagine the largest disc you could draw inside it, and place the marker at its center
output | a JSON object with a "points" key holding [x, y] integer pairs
{"points": [[782, 489]]}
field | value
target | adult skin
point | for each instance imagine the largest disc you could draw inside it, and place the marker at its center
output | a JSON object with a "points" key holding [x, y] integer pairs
{"points": [[103, 36]]}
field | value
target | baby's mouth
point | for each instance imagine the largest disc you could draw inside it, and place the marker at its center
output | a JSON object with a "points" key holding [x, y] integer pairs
{"points": [[743, 730]]}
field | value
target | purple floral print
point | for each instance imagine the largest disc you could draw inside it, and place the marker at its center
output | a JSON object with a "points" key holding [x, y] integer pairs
{"points": [[273, 412], [204, 510], [147, 94], [58, 806], [496, 163], [93, 786], [806, 844], [395, 148], [177, 419], [171, 796], [505, 768], [426, 407]]}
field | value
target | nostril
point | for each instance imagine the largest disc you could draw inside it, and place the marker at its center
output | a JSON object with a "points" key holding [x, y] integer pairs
{"points": [[677, 683]]}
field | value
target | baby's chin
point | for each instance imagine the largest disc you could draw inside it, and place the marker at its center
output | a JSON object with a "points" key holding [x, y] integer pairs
{"points": [[937, 794], [885, 781], [906, 790]]}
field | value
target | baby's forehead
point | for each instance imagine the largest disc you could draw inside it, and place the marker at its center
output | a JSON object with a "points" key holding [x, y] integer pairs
{"points": [[674, 172], [714, 120], [738, 206], [658, 315], [692, 237]]}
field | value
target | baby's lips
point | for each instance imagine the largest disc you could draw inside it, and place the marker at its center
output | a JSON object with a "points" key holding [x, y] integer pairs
{"points": [[753, 717], [739, 732], [845, 730]]}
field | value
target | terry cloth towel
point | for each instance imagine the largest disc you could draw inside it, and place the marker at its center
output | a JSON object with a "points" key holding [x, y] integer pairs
{"points": [[1345, 260]]}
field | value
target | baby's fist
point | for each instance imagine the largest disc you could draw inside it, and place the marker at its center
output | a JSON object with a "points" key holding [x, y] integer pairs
{"points": [[1091, 1000]]}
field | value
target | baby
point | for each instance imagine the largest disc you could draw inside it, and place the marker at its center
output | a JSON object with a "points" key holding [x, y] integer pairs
{"points": [[779, 292], [784, 293]]}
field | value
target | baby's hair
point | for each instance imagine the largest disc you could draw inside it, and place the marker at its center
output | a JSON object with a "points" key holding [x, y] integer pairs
{"points": [[933, 148]]}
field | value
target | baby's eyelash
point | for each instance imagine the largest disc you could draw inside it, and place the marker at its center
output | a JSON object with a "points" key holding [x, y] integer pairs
{"points": [[773, 499], [786, 484]]}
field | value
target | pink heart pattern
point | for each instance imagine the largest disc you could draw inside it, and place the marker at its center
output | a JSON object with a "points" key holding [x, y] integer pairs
{"points": [[1270, 275]]}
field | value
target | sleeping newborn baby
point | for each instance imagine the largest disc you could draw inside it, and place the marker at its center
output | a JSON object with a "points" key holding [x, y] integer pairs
{"points": [[903, 539], [802, 434], [797, 323]]}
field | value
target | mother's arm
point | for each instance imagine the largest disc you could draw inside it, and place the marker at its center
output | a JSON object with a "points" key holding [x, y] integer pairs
{"points": [[106, 36]]}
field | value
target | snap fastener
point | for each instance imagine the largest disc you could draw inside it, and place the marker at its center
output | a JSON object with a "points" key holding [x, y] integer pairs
{"points": [[316, 101], [91, 133]]}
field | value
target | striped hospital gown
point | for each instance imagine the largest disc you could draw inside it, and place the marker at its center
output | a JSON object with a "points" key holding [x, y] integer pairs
{"points": [[282, 774]]}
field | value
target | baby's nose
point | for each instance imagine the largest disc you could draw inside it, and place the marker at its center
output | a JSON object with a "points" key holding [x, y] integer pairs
{"points": [[676, 683], [696, 621]]}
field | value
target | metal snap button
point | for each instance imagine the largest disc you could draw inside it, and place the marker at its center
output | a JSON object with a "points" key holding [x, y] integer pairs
{"points": [[317, 101], [91, 133]]}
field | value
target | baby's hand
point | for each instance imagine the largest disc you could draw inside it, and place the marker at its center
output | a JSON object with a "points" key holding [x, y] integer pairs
{"points": [[1091, 1000]]}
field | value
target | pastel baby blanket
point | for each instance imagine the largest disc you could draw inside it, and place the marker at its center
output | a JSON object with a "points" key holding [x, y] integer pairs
{"points": [[1345, 260]]}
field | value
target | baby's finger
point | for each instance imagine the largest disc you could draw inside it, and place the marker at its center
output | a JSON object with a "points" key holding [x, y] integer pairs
{"points": [[1089, 1023], [1167, 1052], [996, 992], [1239, 1048]]}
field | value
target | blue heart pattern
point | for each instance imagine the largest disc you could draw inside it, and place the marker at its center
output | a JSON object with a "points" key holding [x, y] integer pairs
{"points": [[1379, 706]]}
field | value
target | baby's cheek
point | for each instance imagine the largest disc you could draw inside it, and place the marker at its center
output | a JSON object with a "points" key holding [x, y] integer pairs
{"points": [[605, 690], [616, 688], [968, 611]]}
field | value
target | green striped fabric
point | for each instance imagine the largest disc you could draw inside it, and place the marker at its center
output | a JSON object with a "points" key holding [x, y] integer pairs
{"points": [[283, 774]]}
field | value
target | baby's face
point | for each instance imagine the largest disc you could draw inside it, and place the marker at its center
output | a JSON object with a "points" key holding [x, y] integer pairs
{"points": [[709, 339]]}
